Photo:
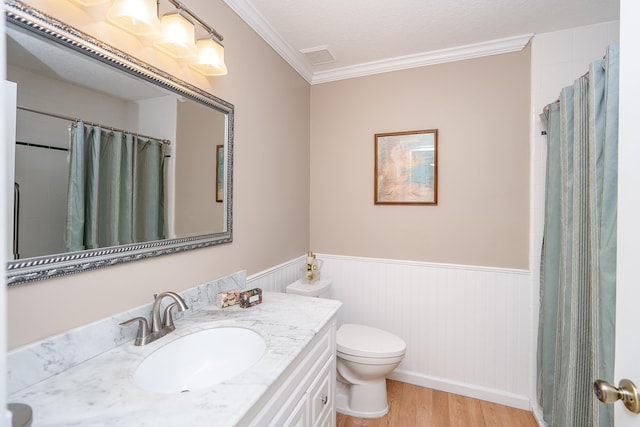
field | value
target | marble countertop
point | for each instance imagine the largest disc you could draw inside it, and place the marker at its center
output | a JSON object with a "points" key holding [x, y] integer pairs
{"points": [[101, 391]]}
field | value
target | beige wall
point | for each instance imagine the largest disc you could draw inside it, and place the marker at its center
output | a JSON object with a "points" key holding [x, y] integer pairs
{"points": [[481, 110], [271, 182], [480, 106]]}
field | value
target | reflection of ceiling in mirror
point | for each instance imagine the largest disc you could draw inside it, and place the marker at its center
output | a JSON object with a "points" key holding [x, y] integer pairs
{"points": [[50, 59]]}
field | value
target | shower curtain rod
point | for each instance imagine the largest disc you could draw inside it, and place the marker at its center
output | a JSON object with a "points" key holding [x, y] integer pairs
{"points": [[72, 119], [548, 106]]}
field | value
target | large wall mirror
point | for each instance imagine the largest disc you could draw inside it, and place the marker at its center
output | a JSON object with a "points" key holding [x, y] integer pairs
{"points": [[77, 98]]}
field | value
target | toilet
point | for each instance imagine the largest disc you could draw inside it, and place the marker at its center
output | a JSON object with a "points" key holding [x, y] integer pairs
{"points": [[364, 357]]}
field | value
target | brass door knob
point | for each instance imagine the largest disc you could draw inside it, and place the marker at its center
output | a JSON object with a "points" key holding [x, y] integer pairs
{"points": [[626, 391]]}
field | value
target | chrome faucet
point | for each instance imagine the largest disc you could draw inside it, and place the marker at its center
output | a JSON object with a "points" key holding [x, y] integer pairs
{"points": [[160, 325]]}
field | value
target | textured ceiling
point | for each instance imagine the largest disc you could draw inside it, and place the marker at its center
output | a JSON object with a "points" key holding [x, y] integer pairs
{"points": [[370, 33]]}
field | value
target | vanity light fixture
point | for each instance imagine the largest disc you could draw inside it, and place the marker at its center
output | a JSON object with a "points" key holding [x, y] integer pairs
{"points": [[176, 32], [210, 59], [89, 3], [96, 9], [138, 17], [178, 36]]}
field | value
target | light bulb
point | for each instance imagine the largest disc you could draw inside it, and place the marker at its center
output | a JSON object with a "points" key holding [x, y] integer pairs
{"points": [[89, 3], [210, 59], [178, 36], [138, 17]]}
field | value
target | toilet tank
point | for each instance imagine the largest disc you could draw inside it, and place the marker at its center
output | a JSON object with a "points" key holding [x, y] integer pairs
{"points": [[319, 288]]}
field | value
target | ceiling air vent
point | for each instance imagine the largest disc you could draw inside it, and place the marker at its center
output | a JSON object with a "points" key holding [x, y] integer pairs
{"points": [[318, 55]]}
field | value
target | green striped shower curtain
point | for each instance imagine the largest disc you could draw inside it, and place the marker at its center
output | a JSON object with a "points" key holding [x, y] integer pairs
{"points": [[116, 189], [578, 269]]}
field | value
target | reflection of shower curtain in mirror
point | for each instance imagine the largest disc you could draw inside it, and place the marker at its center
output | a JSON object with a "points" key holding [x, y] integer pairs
{"points": [[116, 188]]}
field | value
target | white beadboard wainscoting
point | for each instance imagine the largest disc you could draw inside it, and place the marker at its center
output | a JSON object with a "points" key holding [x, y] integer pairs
{"points": [[276, 279], [468, 329]]}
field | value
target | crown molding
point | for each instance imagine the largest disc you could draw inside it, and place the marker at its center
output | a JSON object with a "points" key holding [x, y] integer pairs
{"points": [[260, 25], [494, 47]]}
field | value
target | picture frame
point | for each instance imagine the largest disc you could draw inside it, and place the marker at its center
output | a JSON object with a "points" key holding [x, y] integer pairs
{"points": [[219, 173], [406, 168]]}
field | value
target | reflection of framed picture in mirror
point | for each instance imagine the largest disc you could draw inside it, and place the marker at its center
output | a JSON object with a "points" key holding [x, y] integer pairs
{"points": [[406, 168], [219, 173]]}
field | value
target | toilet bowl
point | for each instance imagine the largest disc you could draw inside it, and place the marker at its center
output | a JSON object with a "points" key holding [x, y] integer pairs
{"points": [[365, 356]]}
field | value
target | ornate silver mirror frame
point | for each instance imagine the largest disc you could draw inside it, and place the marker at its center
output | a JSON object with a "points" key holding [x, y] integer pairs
{"points": [[44, 267]]}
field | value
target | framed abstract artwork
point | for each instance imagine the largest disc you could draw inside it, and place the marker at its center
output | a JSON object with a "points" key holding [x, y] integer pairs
{"points": [[406, 168]]}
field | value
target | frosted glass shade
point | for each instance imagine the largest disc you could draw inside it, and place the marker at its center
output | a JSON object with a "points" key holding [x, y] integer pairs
{"points": [[138, 17], [89, 3], [210, 59], [178, 37]]}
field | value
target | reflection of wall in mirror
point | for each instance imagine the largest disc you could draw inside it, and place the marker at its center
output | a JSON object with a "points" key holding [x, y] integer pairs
{"points": [[196, 209], [43, 207]]}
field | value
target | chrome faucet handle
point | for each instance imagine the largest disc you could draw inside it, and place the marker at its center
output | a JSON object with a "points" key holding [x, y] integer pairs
{"points": [[167, 318], [143, 329], [160, 325], [156, 321]]}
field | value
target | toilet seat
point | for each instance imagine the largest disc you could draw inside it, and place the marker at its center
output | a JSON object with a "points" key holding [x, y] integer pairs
{"points": [[368, 342], [370, 360]]}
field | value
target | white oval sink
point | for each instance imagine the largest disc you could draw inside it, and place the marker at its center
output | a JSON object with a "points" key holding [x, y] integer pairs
{"points": [[200, 360]]}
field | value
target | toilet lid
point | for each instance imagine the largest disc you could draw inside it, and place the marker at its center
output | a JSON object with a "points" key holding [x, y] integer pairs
{"points": [[366, 341]]}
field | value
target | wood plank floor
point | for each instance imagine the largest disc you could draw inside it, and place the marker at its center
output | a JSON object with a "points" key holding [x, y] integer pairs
{"points": [[414, 406]]}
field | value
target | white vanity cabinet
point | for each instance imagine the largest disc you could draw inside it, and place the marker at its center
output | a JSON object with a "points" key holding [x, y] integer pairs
{"points": [[305, 395], [315, 408], [320, 396]]}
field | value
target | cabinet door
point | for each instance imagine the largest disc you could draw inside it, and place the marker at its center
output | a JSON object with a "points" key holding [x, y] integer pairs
{"points": [[299, 416], [321, 396]]}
